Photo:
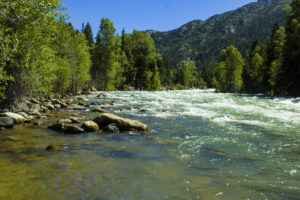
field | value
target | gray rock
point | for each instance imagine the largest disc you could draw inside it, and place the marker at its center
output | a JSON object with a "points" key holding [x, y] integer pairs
{"points": [[34, 101], [58, 102], [111, 128], [70, 128], [67, 128], [49, 106], [6, 122]]}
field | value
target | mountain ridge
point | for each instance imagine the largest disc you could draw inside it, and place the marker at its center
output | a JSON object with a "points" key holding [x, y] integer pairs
{"points": [[202, 40]]}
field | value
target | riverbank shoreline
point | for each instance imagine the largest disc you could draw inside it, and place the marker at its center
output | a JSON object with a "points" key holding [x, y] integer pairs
{"points": [[69, 115]]}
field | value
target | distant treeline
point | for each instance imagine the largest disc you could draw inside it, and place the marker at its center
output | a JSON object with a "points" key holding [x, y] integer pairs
{"points": [[42, 54], [271, 68]]}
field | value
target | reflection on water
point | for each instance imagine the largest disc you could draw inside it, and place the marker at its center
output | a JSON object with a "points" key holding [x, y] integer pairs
{"points": [[202, 145]]}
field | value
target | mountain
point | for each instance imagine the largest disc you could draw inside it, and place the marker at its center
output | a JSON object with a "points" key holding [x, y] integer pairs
{"points": [[202, 41]]}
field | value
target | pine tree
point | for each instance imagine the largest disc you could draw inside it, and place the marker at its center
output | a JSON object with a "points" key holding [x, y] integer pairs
{"points": [[106, 56], [290, 76], [255, 70], [275, 46], [89, 34]]}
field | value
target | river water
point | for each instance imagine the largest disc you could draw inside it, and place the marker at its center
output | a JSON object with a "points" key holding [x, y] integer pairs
{"points": [[200, 145]]}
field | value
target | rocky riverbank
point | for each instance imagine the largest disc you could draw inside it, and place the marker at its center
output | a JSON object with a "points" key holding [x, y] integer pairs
{"points": [[69, 115]]}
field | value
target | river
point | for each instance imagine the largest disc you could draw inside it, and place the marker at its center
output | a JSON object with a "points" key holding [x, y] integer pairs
{"points": [[200, 145]]}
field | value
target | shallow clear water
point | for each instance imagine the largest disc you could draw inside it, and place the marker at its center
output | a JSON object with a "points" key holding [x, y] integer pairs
{"points": [[200, 145]]}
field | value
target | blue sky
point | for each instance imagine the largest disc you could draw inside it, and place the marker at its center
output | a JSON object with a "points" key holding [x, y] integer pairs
{"points": [[161, 15]]}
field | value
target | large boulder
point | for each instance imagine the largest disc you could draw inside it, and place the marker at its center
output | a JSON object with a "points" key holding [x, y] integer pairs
{"points": [[16, 117], [123, 124], [90, 126], [6, 122]]}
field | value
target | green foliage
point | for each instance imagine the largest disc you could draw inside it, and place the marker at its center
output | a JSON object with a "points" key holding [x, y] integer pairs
{"points": [[89, 34], [275, 46], [291, 56], [141, 66], [106, 56], [40, 53], [255, 70], [228, 72], [188, 74]]}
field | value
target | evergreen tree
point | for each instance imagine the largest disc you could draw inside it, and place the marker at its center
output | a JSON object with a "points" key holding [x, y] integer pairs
{"points": [[228, 72], [255, 69], [89, 34], [106, 56], [275, 46], [290, 76]]}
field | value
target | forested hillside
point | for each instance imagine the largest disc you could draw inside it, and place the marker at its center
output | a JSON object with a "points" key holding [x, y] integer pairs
{"points": [[269, 68], [202, 41]]}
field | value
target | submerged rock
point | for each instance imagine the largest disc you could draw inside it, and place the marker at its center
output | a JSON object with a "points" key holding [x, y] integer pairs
{"points": [[143, 110], [16, 117], [70, 128], [111, 128], [38, 123], [75, 119], [57, 147], [56, 127], [123, 124], [90, 126], [101, 95], [67, 128], [6, 122], [42, 117]]}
